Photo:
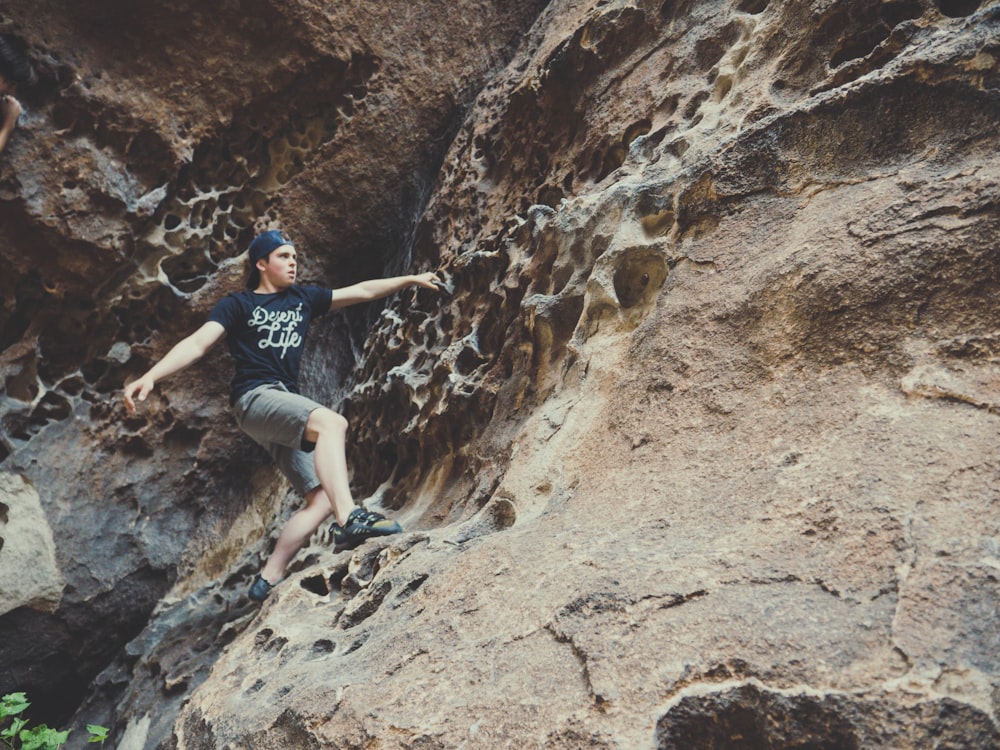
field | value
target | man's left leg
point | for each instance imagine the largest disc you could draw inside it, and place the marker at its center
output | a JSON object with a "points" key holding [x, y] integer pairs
{"points": [[328, 430], [296, 533]]}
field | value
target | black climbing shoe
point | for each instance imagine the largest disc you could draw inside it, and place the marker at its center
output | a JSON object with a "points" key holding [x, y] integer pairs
{"points": [[363, 524], [259, 589], [337, 536]]}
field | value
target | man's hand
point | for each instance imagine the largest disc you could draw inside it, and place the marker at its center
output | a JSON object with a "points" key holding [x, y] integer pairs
{"points": [[142, 386], [10, 109], [428, 280]]}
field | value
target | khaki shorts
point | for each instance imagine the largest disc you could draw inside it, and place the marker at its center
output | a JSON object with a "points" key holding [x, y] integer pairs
{"points": [[276, 419]]}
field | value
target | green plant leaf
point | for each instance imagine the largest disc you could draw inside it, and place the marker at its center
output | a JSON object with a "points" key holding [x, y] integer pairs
{"points": [[42, 737], [12, 704], [97, 733], [15, 726]]}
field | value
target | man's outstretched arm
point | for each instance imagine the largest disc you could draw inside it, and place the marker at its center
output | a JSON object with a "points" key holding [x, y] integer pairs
{"points": [[10, 110], [366, 291], [185, 352]]}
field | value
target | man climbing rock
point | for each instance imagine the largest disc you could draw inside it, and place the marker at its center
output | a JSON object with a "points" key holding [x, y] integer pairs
{"points": [[265, 326]]}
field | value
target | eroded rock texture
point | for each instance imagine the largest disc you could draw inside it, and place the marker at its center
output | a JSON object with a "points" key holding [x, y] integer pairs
{"points": [[698, 450], [155, 140], [29, 576]]}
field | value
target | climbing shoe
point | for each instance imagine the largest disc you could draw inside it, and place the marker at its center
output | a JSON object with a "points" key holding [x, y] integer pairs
{"points": [[363, 524], [337, 536], [259, 589]]}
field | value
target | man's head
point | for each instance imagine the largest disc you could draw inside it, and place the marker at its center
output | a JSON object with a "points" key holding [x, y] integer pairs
{"points": [[261, 247]]}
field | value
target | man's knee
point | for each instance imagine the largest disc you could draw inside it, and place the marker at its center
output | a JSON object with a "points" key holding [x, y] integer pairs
{"points": [[325, 420]]}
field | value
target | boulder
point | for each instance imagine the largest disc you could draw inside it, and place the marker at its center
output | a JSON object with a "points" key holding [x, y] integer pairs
{"points": [[29, 575]]}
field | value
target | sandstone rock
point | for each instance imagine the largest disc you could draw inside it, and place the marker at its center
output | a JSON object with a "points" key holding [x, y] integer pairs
{"points": [[718, 343], [698, 450], [29, 575], [155, 144]]}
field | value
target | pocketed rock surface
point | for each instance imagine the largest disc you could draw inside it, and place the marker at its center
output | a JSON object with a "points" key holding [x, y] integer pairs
{"points": [[697, 449]]}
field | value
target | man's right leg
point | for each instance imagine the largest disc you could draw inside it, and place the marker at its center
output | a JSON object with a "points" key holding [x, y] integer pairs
{"points": [[328, 430]]}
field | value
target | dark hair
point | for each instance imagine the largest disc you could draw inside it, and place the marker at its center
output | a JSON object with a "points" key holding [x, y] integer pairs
{"points": [[14, 65], [262, 246]]}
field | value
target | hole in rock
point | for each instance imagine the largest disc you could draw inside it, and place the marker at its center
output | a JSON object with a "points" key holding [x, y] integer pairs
{"points": [[52, 407], [638, 277], [316, 585], [672, 9], [678, 147], [468, 360], [355, 645], [710, 50], [276, 644], [958, 8], [752, 7], [834, 24], [23, 385], [595, 164], [337, 579], [550, 196], [94, 370], [63, 118], [658, 224], [4, 511], [147, 153], [613, 159], [16, 425], [411, 588], [896, 13], [133, 445], [72, 386], [668, 106], [191, 284], [694, 104], [323, 646], [853, 47], [747, 718], [635, 130], [723, 86], [181, 436]]}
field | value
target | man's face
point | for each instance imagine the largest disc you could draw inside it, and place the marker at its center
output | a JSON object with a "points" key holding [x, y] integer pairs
{"points": [[279, 267]]}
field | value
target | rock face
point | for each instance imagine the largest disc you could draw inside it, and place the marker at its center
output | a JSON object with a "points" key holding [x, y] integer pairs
{"points": [[155, 143], [29, 576], [698, 450]]}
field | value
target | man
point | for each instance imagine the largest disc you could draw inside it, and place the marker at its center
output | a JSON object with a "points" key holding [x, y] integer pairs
{"points": [[14, 69], [266, 327]]}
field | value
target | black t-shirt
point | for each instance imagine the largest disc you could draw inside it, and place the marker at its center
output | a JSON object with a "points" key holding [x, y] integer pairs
{"points": [[266, 333]]}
